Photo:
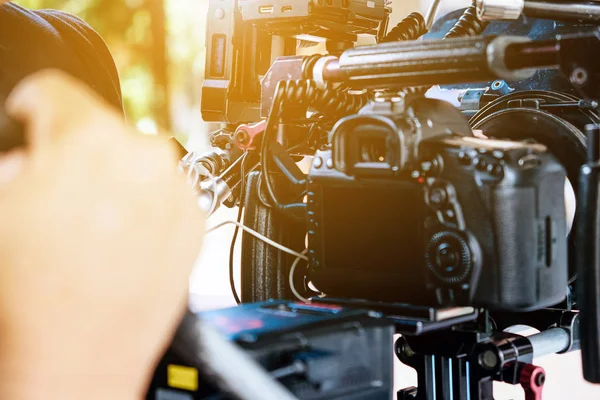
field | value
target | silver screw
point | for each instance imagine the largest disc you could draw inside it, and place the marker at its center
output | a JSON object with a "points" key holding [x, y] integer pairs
{"points": [[579, 76], [488, 360], [220, 14]]}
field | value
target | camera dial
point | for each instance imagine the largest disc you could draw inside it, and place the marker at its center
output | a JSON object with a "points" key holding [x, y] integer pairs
{"points": [[449, 257]]}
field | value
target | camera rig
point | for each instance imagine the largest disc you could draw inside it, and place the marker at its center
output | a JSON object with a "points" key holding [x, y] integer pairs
{"points": [[523, 72], [527, 78], [433, 231]]}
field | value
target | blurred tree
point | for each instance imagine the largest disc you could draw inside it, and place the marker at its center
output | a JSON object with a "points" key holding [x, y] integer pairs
{"points": [[158, 62]]}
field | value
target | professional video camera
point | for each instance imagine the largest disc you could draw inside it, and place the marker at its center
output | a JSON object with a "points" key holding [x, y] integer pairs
{"points": [[443, 213]]}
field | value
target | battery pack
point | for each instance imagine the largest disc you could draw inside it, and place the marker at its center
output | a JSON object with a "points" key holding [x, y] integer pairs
{"points": [[317, 351]]}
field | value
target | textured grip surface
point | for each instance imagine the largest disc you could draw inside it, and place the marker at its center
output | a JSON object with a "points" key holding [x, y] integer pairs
{"points": [[418, 63], [265, 269]]}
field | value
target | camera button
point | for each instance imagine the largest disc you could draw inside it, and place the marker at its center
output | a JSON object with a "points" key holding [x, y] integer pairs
{"points": [[449, 216], [530, 161], [437, 196], [480, 163], [495, 169], [464, 158], [447, 257], [318, 162], [498, 154]]}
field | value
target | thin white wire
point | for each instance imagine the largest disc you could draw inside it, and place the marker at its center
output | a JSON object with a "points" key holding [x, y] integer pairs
{"points": [[292, 270], [260, 237]]}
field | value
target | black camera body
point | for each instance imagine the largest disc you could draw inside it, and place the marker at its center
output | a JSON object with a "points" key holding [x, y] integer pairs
{"points": [[432, 217], [245, 37], [339, 20]]}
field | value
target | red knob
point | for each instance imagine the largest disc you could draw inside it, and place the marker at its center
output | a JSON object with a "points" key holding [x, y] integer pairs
{"points": [[532, 379]]}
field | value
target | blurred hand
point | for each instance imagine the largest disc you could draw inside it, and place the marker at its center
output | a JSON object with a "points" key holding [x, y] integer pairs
{"points": [[98, 235]]}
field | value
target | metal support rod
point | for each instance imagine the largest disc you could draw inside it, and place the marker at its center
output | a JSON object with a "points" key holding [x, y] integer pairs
{"points": [[588, 259], [538, 54], [569, 11], [593, 136], [415, 63], [449, 61], [489, 10], [552, 341]]}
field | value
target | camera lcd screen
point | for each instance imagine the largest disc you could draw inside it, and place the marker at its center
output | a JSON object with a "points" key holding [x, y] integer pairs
{"points": [[379, 229]]}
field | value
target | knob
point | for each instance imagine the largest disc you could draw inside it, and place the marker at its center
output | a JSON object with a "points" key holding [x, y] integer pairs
{"points": [[437, 195], [448, 257], [464, 158], [488, 10], [481, 163]]}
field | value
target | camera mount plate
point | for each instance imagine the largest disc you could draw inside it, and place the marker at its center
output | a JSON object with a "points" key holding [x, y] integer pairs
{"points": [[410, 319]]}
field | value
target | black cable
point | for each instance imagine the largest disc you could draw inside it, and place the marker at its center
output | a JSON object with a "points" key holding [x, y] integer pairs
{"points": [[264, 150], [410, 28], [468, 25], [237, 230], [260, 196], [305, 95]]}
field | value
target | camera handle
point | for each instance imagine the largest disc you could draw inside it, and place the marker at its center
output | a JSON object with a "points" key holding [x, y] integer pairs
{"points": [[464, 60], [588, 256]]}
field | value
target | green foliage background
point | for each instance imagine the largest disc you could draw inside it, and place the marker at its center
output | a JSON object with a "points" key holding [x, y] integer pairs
{"points": [[159, 49]]}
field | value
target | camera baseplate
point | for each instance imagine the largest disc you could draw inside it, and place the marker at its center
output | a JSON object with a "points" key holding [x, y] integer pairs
{"points": [[456, 355]]}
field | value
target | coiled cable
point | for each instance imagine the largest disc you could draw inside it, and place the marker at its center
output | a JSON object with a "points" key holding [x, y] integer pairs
{"points": [[410, 28], [468, 25], [308, 64], [293, 99]]}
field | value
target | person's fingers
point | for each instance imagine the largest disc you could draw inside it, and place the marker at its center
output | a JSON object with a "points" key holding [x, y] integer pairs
{"points": [[51, 104]]}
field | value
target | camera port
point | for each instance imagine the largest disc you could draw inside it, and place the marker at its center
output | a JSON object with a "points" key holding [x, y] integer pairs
{"points": [[266, 9]]}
